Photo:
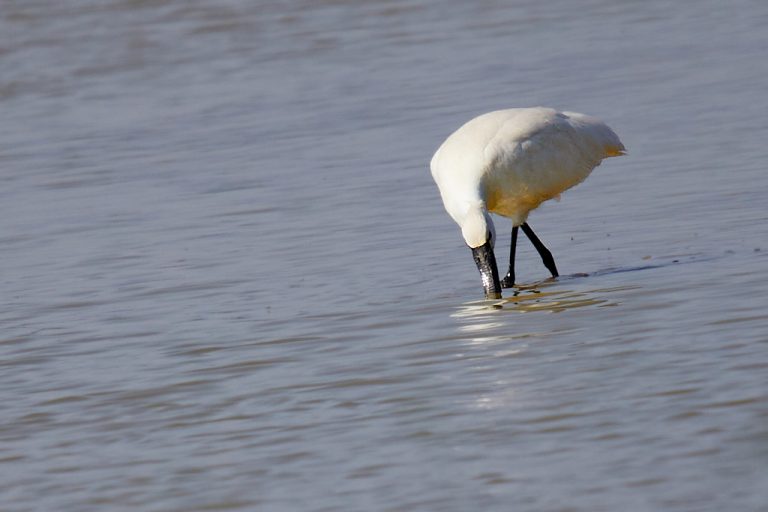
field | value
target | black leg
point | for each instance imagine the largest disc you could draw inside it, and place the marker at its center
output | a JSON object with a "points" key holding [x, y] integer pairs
{"points": [[546, 256], [509, 279]]}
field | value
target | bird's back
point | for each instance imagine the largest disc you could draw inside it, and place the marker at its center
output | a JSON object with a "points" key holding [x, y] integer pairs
{"points": [[519, 158]]}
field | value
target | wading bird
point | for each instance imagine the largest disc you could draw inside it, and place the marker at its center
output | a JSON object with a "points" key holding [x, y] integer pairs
{"points": [[508, 162]]}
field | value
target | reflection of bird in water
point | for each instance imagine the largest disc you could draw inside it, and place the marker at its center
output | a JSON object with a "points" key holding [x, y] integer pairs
{"points": [[508, 162]]}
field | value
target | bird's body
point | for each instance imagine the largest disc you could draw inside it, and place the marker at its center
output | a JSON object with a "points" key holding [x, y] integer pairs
{"points": [[515, 159], [510, 161]]}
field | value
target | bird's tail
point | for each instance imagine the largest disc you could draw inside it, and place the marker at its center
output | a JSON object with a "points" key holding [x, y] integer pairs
{"points": [[600, 134], [615, 150]]}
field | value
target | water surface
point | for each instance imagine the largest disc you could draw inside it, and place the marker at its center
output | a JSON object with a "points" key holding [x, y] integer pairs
{"points": [[228, 282]]}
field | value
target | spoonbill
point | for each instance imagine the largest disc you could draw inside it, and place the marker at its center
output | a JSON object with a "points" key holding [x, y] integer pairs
{"points": [[508, 162]]}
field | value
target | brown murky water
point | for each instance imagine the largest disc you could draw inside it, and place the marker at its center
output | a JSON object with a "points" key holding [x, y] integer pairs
{"points": [[228, 282]]}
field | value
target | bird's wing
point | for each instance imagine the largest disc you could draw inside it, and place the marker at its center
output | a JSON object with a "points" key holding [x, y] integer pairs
{"points": [[538, 139], [539, 153]]}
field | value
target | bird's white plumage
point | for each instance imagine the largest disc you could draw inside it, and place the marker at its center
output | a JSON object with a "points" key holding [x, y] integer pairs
{"points": [[510, 161]]}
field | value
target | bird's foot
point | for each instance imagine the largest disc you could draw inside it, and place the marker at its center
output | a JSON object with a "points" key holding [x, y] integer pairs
{"points": [[508, 281]]}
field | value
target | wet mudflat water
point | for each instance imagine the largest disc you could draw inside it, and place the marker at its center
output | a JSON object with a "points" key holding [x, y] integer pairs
{"points": [[228, 282]]}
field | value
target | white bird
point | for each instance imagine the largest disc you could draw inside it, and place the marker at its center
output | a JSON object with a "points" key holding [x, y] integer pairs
{"points": [[508, 162]]}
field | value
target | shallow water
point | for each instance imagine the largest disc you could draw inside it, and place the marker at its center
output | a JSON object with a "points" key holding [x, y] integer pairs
{"points": [[229, 283]]}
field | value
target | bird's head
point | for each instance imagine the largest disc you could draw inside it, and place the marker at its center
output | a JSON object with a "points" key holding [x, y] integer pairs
{"points": [[477, 227]]}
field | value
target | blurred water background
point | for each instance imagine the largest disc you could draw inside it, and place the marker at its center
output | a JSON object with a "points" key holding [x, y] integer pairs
{"points": [[228, 281]]}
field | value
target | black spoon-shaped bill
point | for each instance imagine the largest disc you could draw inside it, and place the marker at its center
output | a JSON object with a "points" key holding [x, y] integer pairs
{"points": [[486, 264]]}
